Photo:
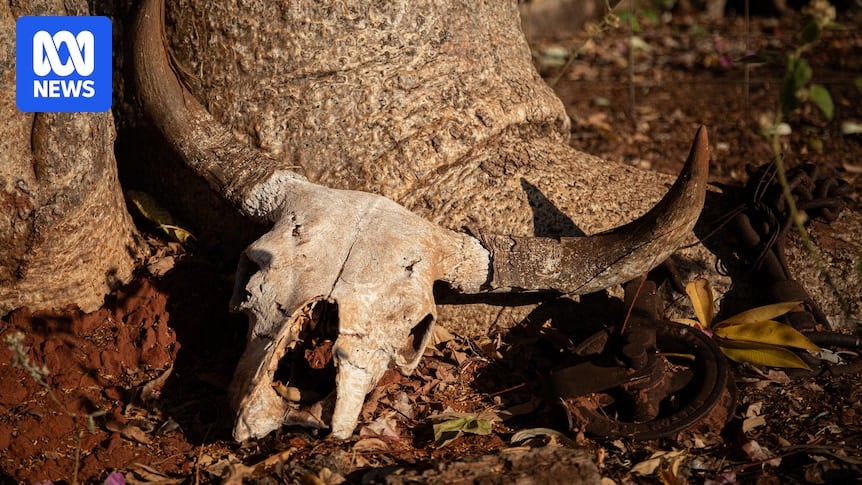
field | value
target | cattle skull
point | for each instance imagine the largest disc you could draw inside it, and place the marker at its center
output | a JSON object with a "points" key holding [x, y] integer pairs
{"points": [[375, 260]]}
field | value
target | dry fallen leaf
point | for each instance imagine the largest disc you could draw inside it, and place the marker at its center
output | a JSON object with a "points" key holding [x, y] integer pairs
{"points": [[702, 300], [650, 465], [439, 335], [753, 422], [140, 474], [754, 409], [281, 457], [128, 431], [383, 427], [370, 444], [152, 388], [757, 453], [324, 477]]}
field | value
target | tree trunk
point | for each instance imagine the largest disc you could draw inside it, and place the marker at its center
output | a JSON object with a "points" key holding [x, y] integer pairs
{"points": [[435, 105], [65, 235], [446, 115]]}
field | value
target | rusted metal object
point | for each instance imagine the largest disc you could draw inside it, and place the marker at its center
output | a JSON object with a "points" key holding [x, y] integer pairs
{"points": [[633, 388], [760, 227], [653, 379]]}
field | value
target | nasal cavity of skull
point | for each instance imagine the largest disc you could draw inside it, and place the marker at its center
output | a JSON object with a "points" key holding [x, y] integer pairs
{"points": [[419, 334], [250, 262], [306, 372]]}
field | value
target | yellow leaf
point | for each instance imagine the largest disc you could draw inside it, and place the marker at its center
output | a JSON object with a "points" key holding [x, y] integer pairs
{"points": [[700, 294], [689, 322], [150, 210], [760, 314], [177, 233], [767, 332], [767, 356]]}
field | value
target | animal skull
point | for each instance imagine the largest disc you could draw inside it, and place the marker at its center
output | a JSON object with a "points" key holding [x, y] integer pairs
{"points": [[381, 320], [375, 260], [379, 263]]}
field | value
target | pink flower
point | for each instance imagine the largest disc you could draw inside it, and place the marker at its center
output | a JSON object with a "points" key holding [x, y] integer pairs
{"points": [[115, 478]]}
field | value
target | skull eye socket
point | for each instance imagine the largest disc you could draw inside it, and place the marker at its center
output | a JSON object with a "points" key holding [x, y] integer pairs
{"points": [[251, 261], [411, 352]]}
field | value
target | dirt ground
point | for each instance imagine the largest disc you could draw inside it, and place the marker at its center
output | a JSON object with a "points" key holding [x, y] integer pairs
{"points": [[139, 387]]}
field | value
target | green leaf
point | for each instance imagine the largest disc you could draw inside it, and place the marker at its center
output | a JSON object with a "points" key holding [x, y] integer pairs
{"points": [[810, 33], [815, 144], [759, 314], [767, 332], [767, 356], [801, 74], [448, 431], [700, 294], [628, 17], [650, 15], [795, 78], [821, 98], [858, 82]]}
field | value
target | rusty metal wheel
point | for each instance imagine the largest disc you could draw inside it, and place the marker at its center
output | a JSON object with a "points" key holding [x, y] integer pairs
{"points": [[666, 378]]}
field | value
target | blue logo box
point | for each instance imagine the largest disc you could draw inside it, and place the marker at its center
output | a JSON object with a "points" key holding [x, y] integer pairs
{"points": [[63, 64]]}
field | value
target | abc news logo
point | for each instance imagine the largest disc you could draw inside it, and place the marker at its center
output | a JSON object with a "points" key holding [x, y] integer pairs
{"points": [[63, 64]]}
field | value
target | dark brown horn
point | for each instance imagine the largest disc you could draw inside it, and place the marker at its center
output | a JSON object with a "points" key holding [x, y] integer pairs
{"points": [[581, 265], [208, 148]]}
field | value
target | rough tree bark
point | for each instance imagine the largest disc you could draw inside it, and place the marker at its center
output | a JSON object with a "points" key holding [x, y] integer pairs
{"points": [[465, 111], [65, 235], [446, 115]]}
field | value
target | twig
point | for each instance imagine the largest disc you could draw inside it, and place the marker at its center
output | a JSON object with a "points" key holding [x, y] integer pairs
{"points": [[794, 214], [508, 389], [632, 69], [605, 24]]}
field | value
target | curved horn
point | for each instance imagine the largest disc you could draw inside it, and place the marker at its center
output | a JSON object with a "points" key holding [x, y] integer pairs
{"points": [[580, 265], [230, 167]]}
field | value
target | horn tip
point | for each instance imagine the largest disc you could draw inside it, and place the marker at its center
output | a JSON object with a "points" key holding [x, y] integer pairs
{"points": [[698, 157], [701, 138]]}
